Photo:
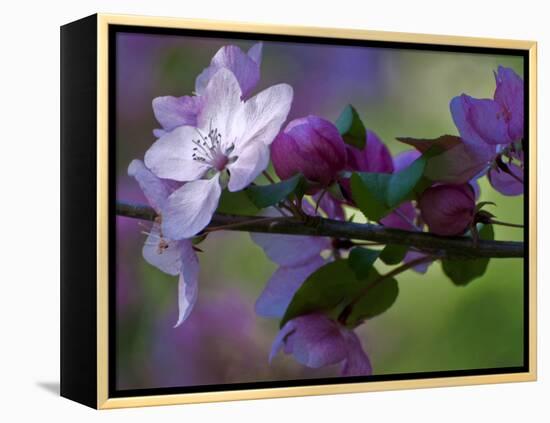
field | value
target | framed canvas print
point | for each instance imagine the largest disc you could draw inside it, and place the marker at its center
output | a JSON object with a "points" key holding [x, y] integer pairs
{"points": [[257, 211]]}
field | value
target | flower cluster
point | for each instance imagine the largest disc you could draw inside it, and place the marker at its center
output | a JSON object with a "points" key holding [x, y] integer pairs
{"points": [[223, 137]]}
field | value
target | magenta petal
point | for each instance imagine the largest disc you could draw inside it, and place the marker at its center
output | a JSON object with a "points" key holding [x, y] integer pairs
{"points": [[505, 183], [328, 204], [401, 218], [448, 209], [332, 207], [480, 122], [509, 94], [172, 112], [375, 157], [311, 146], [357, 362], [476, 145], [316, 341], [281, 287]]}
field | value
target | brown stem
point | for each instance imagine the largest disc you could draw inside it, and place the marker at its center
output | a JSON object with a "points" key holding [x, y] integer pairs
{"points": [[404, 267], [450, 247], [511, 225], [268, 177]]}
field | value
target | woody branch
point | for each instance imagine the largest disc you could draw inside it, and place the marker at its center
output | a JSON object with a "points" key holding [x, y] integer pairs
{"points": [[449, 247]]}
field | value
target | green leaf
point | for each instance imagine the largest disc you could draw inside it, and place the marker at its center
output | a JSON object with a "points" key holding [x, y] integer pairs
{"points": [[361, 261], [236, 203], [402, 183], [393, 254], [462, 272], [329, 286], [376, 300], [351, 128], [368, 191], [267, 195], [376, 194]]}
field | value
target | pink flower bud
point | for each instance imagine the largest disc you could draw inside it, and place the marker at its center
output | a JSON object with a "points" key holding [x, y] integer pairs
{"points": [[448, 209], [311, 146]]}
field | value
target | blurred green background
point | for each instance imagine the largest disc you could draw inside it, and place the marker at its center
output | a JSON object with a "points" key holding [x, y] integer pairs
{"points": [[433, 326]]}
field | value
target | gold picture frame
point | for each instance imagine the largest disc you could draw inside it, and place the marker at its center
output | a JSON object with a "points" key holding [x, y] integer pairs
{"points": [[102, 398]]}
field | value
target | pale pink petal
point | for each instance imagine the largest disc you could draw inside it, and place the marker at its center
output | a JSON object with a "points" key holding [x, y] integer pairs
{"points": [[222, 101], [162, 253], [262, 116], [155, 190], [159, 132], [172, 112], [171, 156], [245, 67], [188, 281], [250, 162], [255, 53], [190, 208]]}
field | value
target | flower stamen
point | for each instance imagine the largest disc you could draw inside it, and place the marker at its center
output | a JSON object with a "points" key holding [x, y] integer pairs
{"points": [[208, 149]]}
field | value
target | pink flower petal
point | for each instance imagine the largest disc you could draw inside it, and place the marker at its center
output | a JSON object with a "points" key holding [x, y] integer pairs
{"points": [[162, 253], [171, 156], [188, 281], [172, 112], [190, 208]]}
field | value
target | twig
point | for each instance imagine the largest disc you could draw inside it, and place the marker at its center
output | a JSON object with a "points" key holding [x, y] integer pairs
{"points": [[450, 247], [398, 270]]}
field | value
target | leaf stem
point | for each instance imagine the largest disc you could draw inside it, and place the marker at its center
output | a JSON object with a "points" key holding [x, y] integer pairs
{"points": [[319, 200], [268, 176], [404, 267], [511, 225]]}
